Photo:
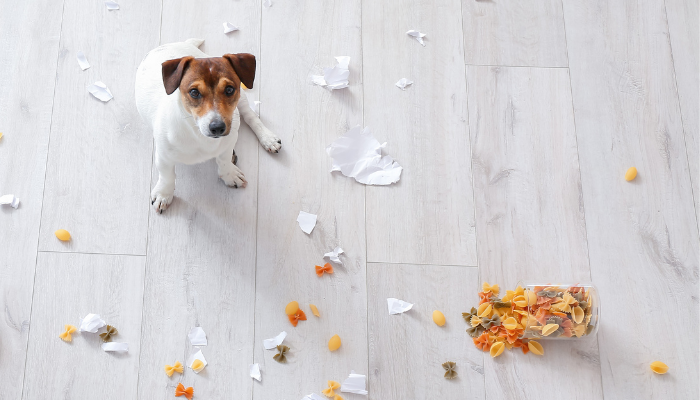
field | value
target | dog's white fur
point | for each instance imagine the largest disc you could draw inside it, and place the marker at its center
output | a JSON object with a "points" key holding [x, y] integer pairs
{"points": [[179, 138]]}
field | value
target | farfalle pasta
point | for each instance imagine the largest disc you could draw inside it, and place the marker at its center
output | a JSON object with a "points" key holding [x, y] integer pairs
{"points": [[530, 312]]}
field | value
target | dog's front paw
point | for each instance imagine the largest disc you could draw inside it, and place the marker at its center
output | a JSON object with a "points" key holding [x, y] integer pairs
{"points": [[233, 176], [271, 143], [161, 199]]}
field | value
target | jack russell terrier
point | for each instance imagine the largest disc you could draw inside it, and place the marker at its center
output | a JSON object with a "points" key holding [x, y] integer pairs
{"points": [[194, 104]]}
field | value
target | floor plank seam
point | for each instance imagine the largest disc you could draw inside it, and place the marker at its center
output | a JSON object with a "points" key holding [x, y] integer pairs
{"points": [[421, 264], [516, 66], [89, 253]]}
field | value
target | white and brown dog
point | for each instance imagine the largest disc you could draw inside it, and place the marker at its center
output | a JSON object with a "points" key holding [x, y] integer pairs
{"points": [[194, 104]]}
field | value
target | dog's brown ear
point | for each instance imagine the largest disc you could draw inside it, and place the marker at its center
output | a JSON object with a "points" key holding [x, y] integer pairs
{"points": [[244, 65], [173, 70]]}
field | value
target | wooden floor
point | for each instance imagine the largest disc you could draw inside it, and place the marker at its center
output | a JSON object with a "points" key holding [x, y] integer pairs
{"points": [[514, 140]]}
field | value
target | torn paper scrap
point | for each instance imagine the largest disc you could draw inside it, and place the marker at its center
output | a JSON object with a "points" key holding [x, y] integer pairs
{"points": [[335, 77], [228, 27], [403, 82], [114, 346], [267, 3], [255, 371], [359, 155], [334, 256], [197, 336], [255, 106], [306, 221], [272, 343], [355, 383], [82, 61], [397, 306], [111, 5], [91, 323], [313, 396], [10, 199], [197, 362], [100, 91], [417, 35]]}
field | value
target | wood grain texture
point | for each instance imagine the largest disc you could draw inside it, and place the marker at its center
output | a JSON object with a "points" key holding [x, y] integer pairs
{"points": [[27, 77], [642, 235], [530, 215], [98, 171], [407, 350], [685, 45], [428, 216], [201, 251], [68, 287], [523, 33], [299, 38]]}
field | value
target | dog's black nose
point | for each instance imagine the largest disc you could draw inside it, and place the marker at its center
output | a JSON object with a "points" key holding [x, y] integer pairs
{"points": [[217, 128]]}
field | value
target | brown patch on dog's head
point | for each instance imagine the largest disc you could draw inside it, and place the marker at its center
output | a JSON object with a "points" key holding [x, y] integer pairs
{"points": [[210, 88]]}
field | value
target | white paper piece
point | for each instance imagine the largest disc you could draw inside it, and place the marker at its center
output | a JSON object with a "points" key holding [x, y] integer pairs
{"points": [[91, 323], [100, 91], [313, 396], [403, 82], [306, 221], [355, 383], [197, 336], [196, 356], [334, 255], [275, 341], [228, 27], [82, 61], [111, 5], [255, 106], [397, 306], [10, 199], [335, 77], [267, 3], [417, 35], [114, 346], [358, 155], [255, 371]]}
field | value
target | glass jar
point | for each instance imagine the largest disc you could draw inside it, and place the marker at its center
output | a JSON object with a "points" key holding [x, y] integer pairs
{"points": [[561, 310]]}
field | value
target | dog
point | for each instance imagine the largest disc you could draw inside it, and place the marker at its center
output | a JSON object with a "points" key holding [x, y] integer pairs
{"points": [[193, 103]]}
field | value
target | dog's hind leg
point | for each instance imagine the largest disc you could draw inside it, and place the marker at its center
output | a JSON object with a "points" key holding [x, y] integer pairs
{"points": [[267, 139]]}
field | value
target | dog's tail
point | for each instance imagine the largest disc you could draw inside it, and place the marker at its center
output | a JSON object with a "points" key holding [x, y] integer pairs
{"points": [[195, 42]]}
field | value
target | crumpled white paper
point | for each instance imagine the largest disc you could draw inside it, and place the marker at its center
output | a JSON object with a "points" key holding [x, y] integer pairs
{"points": [[91, 323], [267, 3], [82, 60], [306, 221], [10, 199], [196, 356], [100, 91], [228, 27], [114, 346], [197, 336], [403, 83], [397, 306], [355, 383], [111, 5], [335, 77], [255, 371], [358, 155], [417, 35], [255, 106], [271, 343], [313, 396], [334, 255]]}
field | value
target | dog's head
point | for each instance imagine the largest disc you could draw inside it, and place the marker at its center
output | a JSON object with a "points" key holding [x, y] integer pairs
{"points": [[210, 88]]}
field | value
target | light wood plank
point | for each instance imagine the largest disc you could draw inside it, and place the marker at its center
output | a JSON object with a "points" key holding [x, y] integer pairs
{"points": [[428, 216], [97, 181], [642, 236], [530, 215], [201, 251], [407, 350], [68, 287], [685, 45], [522, 33], [298, 39], [27, 77]]}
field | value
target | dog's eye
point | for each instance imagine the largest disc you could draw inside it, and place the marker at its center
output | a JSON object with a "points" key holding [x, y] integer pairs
{"points": [[229, 90], [194, 93]]}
